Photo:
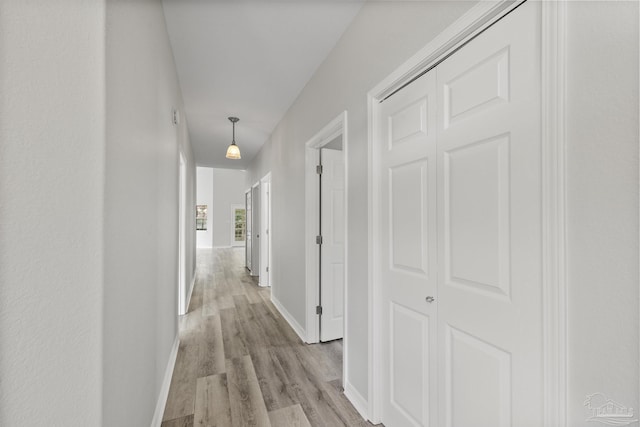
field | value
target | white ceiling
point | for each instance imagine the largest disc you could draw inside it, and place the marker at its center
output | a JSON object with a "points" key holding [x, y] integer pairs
{"points": [[248, 59]]}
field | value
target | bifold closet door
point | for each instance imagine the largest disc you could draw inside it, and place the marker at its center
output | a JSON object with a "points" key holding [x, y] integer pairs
{"points": [[460, 239], [408, 254], [489, 223]]}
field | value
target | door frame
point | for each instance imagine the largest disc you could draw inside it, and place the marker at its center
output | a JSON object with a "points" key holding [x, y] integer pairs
{"points": [[265, 230], [335, 128], [255, 238], [182, 235], [554, 293], [247, 237]]}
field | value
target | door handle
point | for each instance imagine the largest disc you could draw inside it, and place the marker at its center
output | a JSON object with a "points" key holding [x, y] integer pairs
{"points": [[430, 299]]}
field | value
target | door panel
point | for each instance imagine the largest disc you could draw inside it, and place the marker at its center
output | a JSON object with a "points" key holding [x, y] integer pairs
{"points": [[478, 376], [408, 193], [476, 216], [484, 84], [332, 248], [409, 376], [407, 254], [489, 215]]}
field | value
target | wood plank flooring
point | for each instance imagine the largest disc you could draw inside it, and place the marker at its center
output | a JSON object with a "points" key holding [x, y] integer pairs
{"points": [[240, 364]]}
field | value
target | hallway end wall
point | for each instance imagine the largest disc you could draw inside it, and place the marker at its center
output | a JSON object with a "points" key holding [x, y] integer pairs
{"points": [[228, 190]]}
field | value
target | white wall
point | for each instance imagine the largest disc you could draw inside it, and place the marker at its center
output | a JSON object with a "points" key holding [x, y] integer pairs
{"points": [[602, 135], [52, 97], [381, 37], [228, 189], [141, 212], [204, 180]]}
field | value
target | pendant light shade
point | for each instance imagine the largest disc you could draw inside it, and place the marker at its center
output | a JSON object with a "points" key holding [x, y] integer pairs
{"points": [[233, 152]]}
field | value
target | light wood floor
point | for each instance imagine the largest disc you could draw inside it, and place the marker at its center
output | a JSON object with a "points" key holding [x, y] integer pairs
{"points": [[241, 364]]}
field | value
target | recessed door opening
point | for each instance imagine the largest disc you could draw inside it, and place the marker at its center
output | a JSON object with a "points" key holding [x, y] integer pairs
{"points": [[326, 236], [238, 225]]}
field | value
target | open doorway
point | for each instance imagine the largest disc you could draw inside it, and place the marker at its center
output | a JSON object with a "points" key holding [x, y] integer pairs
{"points": [[238, 225], [326, 231]]}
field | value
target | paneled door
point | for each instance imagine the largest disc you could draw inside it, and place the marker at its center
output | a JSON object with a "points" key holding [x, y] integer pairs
{"points": [[489, 223], [408, 259], [461, 236], [332, 248]]}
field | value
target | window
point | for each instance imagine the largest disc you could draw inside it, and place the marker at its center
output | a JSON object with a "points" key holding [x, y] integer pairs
{"points": [[201, 217], [240, 224]]}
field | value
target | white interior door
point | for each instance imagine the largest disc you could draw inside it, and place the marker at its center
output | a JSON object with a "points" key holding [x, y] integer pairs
{"points": [[461, 222], [255, 230], [248, 230], [489, 217], [332, 249], [408, 254], [265, 233]]}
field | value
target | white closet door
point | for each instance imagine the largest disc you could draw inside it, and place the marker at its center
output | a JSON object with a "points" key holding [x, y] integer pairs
{"points": [[489, 228], [407, 265]]}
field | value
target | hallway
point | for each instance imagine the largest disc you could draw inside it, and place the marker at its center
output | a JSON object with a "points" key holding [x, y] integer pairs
{"points": [[240, 364]]}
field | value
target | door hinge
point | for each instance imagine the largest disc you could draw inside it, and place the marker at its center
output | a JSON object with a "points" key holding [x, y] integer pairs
{"points": [[267, 269], [318, 240], [318, 309], [319, 169]]}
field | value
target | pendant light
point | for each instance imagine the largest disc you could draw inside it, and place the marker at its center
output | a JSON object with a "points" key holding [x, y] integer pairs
{"points": [[233, 152]]}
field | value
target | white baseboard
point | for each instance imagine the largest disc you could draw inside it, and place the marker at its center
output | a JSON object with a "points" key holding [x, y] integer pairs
{"points": [[289, 318], [166, 382], [356, 399]]}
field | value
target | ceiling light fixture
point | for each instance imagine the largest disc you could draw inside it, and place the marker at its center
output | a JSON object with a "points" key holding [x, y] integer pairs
{"points": [[233, 152]]}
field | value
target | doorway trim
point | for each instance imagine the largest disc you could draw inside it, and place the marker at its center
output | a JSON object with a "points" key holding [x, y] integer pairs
{"points": [[182, 236], [335, 128], [554, 292], [256, 216]]}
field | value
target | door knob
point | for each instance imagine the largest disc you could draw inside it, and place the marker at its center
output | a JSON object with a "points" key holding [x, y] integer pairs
{"points": [[430, 299]]}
